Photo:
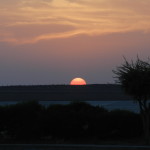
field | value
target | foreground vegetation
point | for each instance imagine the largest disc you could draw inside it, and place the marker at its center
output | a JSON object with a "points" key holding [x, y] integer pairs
{"points": [[30, 122]]}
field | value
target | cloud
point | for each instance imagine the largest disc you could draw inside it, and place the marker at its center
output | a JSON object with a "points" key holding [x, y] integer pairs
{"points": [[79, 16], [22, 33]]}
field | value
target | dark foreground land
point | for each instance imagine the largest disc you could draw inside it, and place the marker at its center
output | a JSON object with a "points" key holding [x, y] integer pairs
{"points": [[74, 123], [63, 93]]}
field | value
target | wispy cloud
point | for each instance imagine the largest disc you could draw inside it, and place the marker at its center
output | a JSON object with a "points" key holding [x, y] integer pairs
{"points": [[79, 16]]}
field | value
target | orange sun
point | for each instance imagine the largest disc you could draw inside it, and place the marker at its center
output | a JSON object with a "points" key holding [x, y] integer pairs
{"points": [[78, 81]]}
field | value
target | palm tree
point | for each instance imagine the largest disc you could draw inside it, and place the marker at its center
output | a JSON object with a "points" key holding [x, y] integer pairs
{"points": [[135, 80]]}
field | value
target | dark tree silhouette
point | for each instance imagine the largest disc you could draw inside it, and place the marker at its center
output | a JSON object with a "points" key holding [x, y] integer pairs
{"points": [[134, 77]]}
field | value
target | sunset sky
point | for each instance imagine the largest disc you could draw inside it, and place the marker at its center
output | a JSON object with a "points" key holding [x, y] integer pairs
{"points": [[54, 41]]}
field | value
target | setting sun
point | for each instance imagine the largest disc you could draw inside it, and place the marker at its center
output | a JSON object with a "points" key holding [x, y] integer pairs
{"points": [[78, 81]]}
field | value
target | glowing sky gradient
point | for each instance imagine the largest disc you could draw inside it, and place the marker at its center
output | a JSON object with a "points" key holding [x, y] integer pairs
{"points": [[53, 41]]}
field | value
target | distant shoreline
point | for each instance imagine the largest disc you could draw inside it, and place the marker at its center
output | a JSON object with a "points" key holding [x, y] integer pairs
{"points": [[91, 92]]}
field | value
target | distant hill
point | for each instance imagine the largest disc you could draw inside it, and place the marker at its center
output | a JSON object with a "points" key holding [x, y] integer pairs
{"points": [[95, 92]]}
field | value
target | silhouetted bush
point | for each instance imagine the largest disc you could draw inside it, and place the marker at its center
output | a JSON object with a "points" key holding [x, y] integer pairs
{"points": [[32, 121], [22, 120], [125, 124]]}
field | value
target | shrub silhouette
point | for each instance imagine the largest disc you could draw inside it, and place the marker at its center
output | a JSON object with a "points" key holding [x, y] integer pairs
{"points": [[31, 121]]}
